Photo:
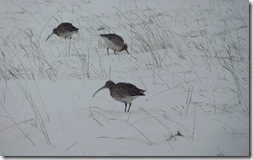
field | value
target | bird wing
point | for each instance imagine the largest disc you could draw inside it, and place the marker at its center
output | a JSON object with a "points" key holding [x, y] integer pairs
{"points": [[113, 37], [130, 89], [68, 26]]}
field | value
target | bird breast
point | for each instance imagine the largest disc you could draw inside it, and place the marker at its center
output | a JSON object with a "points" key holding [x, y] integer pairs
{"points": [[127, 99]]}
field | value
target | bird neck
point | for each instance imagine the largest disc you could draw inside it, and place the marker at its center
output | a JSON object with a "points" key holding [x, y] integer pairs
{"points": [[123, 48]]}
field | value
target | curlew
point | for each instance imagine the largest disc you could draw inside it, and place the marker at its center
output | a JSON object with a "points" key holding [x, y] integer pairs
{"points": [[114, 42], [64, 30], [123, 92]]}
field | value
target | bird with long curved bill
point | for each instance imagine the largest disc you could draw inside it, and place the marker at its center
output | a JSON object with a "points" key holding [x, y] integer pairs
{"points": [[64, 30], [123, 92]]}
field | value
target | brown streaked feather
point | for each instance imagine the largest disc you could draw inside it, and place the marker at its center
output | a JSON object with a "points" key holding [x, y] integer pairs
{"points": [[64, 28], [113, 38], [131, 90], [67, 26]]}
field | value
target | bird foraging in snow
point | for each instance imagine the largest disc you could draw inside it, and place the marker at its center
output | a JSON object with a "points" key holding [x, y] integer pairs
{"points": [[64, 30], [114, 42]]}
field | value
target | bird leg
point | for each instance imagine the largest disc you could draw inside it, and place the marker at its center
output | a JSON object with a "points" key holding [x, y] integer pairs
{"points": [[125, 107], [108, 50], [129, 107]]}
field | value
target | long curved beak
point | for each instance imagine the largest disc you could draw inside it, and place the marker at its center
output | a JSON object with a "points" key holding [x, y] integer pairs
{"points": [[98, 90], [127, 51], [49, 36]]}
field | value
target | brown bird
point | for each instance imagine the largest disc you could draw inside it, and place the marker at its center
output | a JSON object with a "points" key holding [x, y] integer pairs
{"points": [[64, 30], [115, 42], [123, 92]]}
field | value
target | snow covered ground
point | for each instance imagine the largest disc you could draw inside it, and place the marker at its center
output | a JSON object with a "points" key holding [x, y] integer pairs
{"points": [[192, 57]]}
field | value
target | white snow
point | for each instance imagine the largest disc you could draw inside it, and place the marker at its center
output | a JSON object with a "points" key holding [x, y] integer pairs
{"points": [[192, 57]]}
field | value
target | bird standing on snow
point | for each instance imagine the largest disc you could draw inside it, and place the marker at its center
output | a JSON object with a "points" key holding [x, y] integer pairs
{"points": [[115, 42], [64, 30], [123, 92]]}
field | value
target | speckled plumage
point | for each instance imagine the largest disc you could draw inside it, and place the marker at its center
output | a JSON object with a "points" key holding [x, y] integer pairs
{"points": [[64, 30], [123, 92], [114, 42]]}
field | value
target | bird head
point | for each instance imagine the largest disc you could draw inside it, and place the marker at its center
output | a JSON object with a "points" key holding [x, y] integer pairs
{"points": [[54, 32], [125, 48], [109, 84]]}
